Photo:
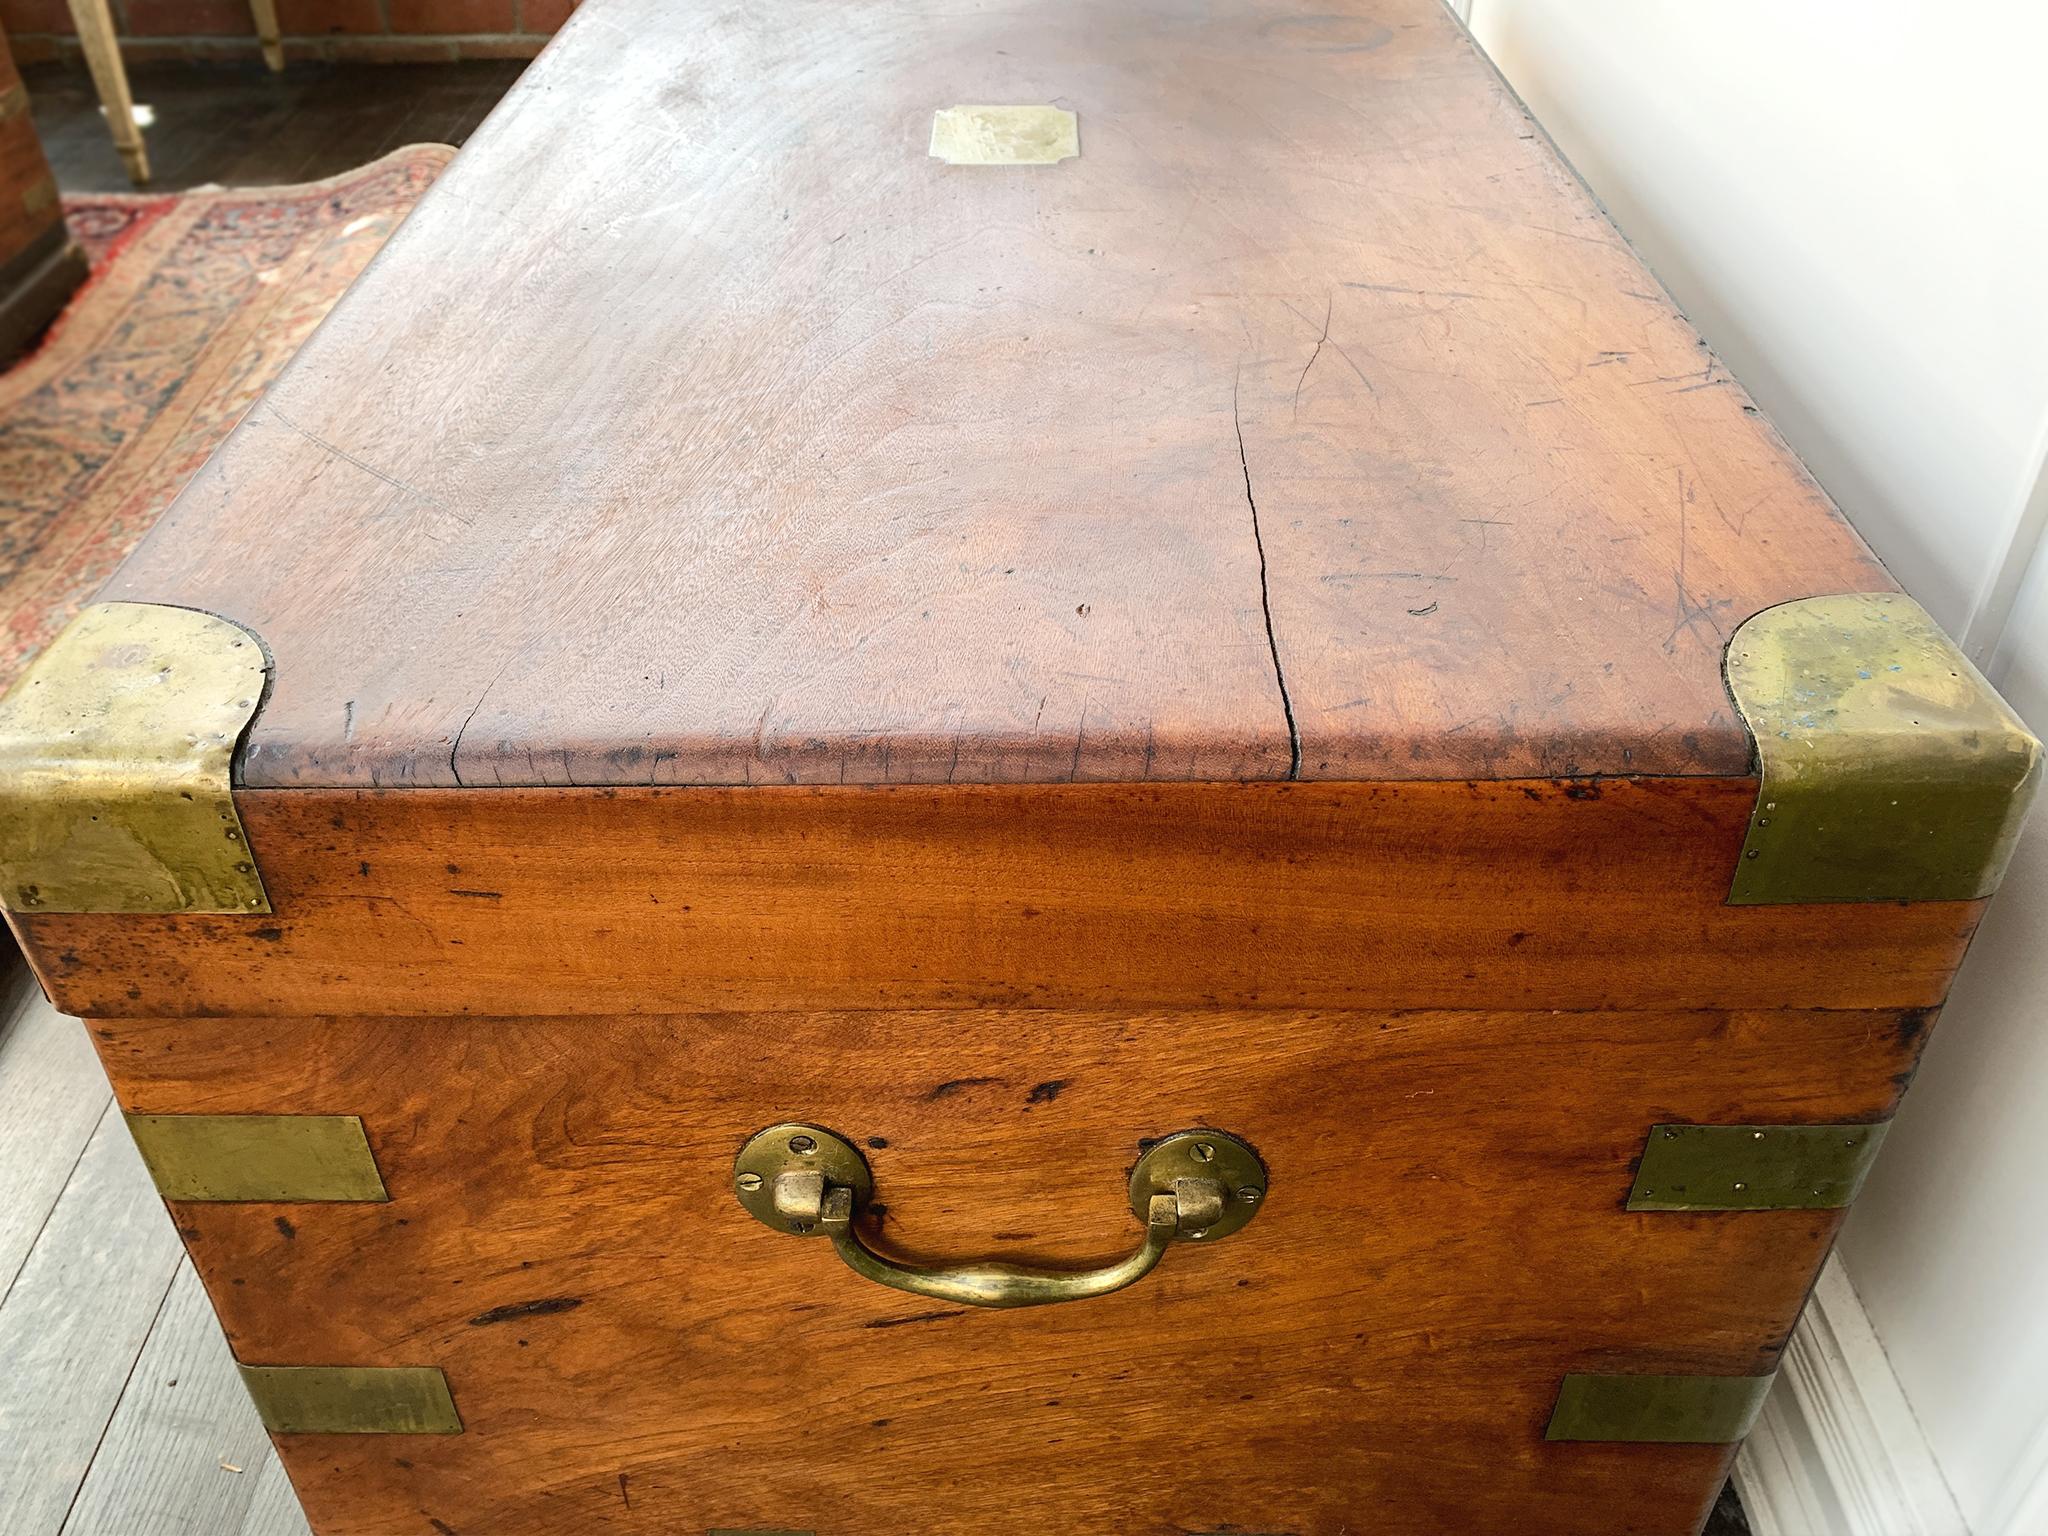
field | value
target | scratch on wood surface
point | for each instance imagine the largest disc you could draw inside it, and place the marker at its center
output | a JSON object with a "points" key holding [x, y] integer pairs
{"points": [[1336, 347], [348, 458], [1420, 293], [1689, 611], [1329, 304]]}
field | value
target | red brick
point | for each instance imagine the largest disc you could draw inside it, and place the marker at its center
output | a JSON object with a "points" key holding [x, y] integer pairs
{"points": [[499, 47], [46, 16], [187, 18], [544, 16], [452, 18], [316, 18]]}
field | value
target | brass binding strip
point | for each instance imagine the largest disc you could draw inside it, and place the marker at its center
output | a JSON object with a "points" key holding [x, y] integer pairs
{"points": [[116, 753], [1891, 770], [282, 1158], [352, 1399], [1658, 1410], [1753, 1167]]}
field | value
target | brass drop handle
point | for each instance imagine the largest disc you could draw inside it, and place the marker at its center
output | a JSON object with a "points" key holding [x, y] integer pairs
{"points": [[1193, 1186]]}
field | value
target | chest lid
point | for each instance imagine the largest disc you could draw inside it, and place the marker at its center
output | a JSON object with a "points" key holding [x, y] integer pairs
{"points": [[749, 404]]}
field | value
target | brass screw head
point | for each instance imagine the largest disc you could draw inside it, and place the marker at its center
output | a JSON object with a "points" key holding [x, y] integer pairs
{"points": [[803, 1146], [1204, 1153], [750, 1182]]}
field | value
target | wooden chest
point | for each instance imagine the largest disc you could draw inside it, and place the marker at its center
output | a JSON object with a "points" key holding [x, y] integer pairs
{"points": [[900, 660]]}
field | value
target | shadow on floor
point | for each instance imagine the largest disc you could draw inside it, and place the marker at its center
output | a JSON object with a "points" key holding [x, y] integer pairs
{"points": [[241, 126], [1728, 1518]]}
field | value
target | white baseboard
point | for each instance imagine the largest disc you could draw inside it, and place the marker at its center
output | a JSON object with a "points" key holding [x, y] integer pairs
{"points": [[2022, 1509], [1837, 1451]]}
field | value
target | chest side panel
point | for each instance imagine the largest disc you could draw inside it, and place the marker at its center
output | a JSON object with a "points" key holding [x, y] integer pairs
{"points": [[1445, 1238]]}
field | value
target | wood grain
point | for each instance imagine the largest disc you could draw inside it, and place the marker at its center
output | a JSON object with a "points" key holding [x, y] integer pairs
{"points": [[1444, 1239], [1528, 894], [1312, 420]]}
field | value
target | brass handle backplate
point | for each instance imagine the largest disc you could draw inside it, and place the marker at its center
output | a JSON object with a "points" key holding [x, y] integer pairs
{"points": [[1192, 1186]]}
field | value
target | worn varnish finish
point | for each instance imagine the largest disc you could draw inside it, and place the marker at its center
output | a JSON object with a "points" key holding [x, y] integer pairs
{"points": [[1312, 417], [1526, 895], [1443, 1240]]}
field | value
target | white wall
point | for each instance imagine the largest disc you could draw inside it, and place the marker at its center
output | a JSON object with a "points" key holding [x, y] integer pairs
{"points": [[1949, 1246], [1850, 199]]}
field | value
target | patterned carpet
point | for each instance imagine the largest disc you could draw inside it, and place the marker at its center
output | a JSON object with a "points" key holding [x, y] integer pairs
{"points": [[195, 303]]}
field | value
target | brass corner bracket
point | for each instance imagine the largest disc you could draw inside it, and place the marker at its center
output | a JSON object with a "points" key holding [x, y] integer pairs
{"points": [[1891, 770], [116, 758]]}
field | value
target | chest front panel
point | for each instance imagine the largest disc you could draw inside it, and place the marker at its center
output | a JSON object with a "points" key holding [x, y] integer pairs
{"points": [[1445, 1239]]}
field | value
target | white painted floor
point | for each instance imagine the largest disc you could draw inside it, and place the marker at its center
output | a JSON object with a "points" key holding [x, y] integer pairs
{"points": [[120, 1410]]}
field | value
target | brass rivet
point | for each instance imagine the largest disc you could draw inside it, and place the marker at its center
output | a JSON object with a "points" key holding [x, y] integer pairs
{"points": [[803, 1146], [750, 1181], [1203, 1233], [1204, 1152], [1756, 1135], [1740, 1185]]}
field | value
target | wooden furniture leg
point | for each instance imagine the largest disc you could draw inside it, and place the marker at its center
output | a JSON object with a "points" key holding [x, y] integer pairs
{"points": [[95, 25], [265, 12]]}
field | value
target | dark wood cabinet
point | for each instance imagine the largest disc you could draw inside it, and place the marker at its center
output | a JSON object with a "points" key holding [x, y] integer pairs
{"points": [[40, 264]]}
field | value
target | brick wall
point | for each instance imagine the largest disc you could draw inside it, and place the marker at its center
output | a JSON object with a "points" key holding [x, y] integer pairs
{"points": [[373, 31]]}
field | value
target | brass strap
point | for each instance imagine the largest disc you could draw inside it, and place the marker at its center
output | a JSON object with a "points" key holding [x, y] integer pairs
{"points": [[258, 1157], [1754, 1167], [352, 1399], [1659, 1410]]}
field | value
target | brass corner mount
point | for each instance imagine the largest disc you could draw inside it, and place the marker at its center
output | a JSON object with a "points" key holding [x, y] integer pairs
{"points": [[116, 761], [1891, 770]]}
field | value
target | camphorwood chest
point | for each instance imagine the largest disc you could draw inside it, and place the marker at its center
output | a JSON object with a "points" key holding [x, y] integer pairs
{"points": [[1022, 768]]}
